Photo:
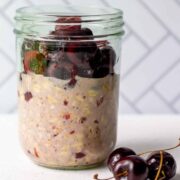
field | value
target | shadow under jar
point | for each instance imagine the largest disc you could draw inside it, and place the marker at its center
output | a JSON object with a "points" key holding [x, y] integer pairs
{"points": [[68, 64]]}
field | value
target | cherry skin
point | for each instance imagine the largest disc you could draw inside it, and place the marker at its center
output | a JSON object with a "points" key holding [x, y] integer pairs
{"points": [[108, 56], [68, 20], [54, 70], [135, 167], [105, 59], [81, 53], [78, 34], [168, 167], [87, 73], [86, 32], [101, 72], [64, 70], [117, 155]]}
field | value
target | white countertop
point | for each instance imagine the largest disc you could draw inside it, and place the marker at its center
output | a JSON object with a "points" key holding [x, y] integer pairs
{"points": [[140, 133]]}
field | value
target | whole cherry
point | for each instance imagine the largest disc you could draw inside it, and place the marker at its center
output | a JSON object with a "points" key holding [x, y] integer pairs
{"points": [[133, 167], [168, 165], [117, 155]]}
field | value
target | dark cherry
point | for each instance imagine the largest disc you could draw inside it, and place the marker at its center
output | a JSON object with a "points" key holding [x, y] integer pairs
{"points": [[87, 73], [133, 167], [101, 72], [84, 33], [57, 71], [68, 20], [57, 56], [64, 34], [81, 53], [117, 154], [62, 70], [54, 46], [108, 56], [168, 167], [79, 34]]}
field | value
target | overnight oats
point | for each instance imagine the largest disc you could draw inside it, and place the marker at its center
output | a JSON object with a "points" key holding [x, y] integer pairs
{"points": [[68, 86]]}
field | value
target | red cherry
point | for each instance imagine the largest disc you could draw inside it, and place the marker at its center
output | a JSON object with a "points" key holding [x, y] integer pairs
{"points": [[67, 20], [78, 34], [168, 169], [133, 167], [117, 155], [108, 56], [81, 53], [64, 70]]}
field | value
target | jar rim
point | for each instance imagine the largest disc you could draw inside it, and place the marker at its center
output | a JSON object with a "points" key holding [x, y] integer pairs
{"points": [[69, 10], [108, 18]]}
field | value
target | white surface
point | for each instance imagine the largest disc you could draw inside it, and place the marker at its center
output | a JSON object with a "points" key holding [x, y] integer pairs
{"points": [[141, 133]]}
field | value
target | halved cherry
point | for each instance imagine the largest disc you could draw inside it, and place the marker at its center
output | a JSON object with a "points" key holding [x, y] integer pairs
{"points": [[101, 72], [77, 34], [28, 56], [63, 70], [81, 53], [87, 73], [108, 56], [65, 21]]}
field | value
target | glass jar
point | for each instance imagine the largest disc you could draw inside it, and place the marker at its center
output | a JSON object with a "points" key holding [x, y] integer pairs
{"points": [[69, 71]]}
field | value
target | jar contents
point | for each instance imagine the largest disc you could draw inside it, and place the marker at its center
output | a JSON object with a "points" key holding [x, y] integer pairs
{"points": [[68, 97]]}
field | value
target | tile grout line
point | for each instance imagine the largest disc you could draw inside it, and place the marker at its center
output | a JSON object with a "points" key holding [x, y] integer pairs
{"points": [[174, 101], [66, 2], [127, 37], [13, 109], [152, 86], [159, 20], [6, 79], [130, 103], [6, 18], [177, 2], [106, 3], [142, 59], [7, 5], [138, 37], [7, 57], [165, 101], [30, 2]]}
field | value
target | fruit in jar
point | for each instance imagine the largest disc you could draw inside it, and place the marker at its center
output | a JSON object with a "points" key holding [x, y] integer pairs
{"points": [[62, 70], [85, 72], [28, 56], [108, 56], [91, 59], [64, 21], [34, 62], [81, 53]]}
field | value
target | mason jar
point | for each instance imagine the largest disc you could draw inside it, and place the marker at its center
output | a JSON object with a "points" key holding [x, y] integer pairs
{"points": [[68, 92]]}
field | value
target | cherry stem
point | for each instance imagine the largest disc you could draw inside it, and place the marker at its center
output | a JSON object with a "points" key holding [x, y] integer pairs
{"points": [[160, 166], [164, 176], [167, 149], [125, 173]]}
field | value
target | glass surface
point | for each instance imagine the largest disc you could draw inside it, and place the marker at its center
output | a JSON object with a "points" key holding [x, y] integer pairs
{"points": [[68, 85]]}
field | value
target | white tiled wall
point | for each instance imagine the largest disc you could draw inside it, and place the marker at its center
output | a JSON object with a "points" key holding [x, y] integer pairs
{"points": [[150, 59]]}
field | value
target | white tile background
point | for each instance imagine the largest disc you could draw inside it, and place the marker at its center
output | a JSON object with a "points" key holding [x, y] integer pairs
{"points": [[150, 60]]}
